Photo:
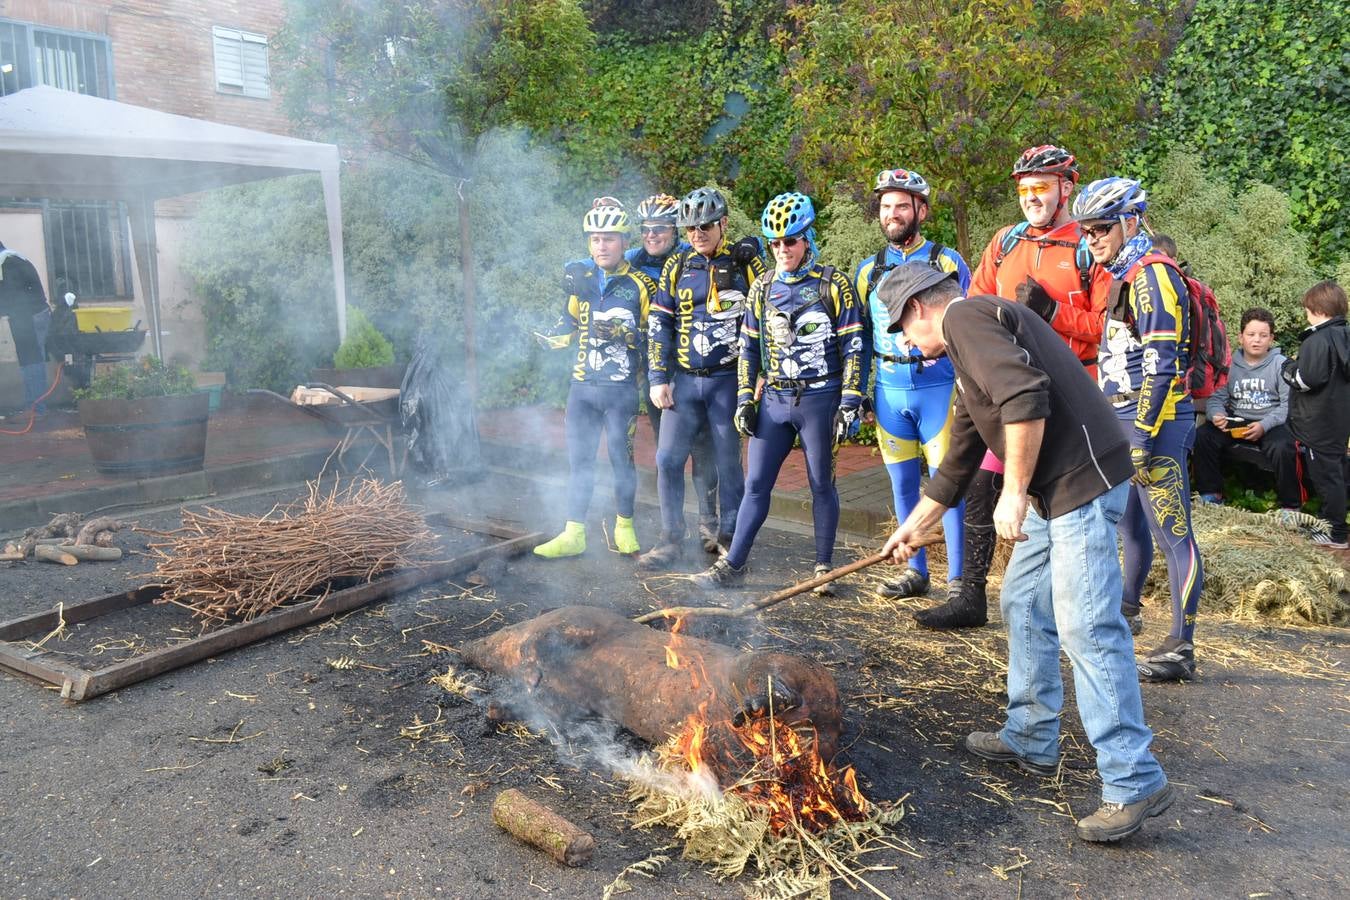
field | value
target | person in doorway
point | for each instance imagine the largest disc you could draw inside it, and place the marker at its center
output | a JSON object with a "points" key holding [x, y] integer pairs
{"points": [[913, 395], [1251, 407], [1041, 262], [802, 335], [694, 339], [606, 311], [24, 303], [1067, 464], [1142, 370], [1319, 408]]}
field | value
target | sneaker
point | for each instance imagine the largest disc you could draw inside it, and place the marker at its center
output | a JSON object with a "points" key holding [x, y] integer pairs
{"points": [[1212, 499], [1327, 542], [720, 574], [826, 589], [988, 745], [911, 583], [665, 554], [1134, 617], [966, 607], [1174, 660], [1114, 821]]}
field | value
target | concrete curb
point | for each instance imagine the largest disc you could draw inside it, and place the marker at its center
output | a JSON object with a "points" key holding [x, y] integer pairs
{"points": [[792, 506]]}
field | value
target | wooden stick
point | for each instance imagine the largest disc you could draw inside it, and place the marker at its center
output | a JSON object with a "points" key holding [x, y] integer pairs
{"points": [[541, 827], [801, 587], [48, 553]]}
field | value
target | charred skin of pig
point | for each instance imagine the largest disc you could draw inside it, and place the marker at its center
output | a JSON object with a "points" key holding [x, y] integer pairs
{"points": [[581, 660]]}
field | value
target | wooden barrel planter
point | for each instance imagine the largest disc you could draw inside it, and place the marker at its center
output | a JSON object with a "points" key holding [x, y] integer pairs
{"points": [[147, 437]]}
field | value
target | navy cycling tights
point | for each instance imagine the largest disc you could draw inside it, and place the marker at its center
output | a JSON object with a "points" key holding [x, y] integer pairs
{"points": [[781, 418], [700, 400], [591, 406], [1164, 508]]}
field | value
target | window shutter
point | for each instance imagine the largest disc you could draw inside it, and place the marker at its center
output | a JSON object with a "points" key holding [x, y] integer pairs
{"points": [[254, 52], [229, 53]]}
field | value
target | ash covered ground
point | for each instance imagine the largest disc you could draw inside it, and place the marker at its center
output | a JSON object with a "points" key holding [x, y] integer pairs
{"points": [[322, 762]]}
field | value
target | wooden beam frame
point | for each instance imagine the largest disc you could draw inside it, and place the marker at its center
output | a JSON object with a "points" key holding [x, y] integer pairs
{"points": [[84, 684]]}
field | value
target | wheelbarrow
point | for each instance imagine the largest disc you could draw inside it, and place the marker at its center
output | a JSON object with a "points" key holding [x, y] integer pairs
{"points": [[355, 413]]}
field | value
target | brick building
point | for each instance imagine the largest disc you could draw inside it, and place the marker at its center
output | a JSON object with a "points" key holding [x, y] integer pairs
{"points": [[208, 59]]}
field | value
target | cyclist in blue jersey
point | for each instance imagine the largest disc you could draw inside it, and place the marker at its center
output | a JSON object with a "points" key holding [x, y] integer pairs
{"points": [[1141, 368], [913, 396], [802, 334], [694, 333], [606, 311]]}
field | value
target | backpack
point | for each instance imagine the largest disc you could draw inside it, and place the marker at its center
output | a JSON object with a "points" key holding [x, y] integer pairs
{"points": [[881, 267], [1082, 257], [1210, 356]]}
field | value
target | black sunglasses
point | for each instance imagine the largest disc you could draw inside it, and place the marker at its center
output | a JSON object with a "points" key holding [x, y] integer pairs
{"points": [[1098, 231], [784, 242]]}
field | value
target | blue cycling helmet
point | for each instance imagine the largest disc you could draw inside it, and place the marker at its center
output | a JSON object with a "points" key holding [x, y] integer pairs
{"points": [[1110, 198], [786, 215]]}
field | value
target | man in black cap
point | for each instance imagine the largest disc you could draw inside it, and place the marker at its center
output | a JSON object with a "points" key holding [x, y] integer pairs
{"points": [[1023, 394]]}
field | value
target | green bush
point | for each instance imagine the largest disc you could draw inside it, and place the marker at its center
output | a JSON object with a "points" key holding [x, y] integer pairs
{"points": [[146, 377], [1243, 245], [847, 234], [365, 347]]}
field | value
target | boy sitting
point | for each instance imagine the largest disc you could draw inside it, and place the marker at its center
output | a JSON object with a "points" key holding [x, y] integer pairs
{"points": [[1252, 407]]}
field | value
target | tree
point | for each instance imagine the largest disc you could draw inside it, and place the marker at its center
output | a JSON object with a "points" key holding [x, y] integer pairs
{"points": [[427, 80], [956, 90]]}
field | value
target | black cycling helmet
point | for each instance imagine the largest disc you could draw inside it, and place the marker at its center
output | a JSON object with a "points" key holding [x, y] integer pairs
{"points": [[701, 206]]}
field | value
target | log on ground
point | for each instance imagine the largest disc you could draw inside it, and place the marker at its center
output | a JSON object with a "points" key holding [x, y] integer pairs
{"points": [[539, 826]]}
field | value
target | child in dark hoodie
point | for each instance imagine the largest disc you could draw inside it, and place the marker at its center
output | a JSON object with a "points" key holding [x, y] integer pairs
{"points": [[1252, 407], [1319, 408]]}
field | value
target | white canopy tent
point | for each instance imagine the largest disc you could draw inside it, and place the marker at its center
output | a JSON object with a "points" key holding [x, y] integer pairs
{"points": [[62, 145]]}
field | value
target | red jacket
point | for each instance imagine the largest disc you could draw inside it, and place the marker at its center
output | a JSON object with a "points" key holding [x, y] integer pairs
{"points": [[1078, 318]]}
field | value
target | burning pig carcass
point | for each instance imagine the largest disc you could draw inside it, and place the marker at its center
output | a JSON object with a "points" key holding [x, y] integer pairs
{"points": [[585, 660], [761, 723]]}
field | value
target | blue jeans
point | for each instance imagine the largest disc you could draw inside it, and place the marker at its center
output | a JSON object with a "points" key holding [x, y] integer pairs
{"points": [[1062, 588]]}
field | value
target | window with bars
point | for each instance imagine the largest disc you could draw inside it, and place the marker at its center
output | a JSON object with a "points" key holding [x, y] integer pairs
{"points": [[87, 243], [241, 62]]}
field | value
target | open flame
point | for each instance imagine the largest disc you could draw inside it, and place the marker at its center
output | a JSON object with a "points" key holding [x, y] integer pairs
{"points": [[766, 761]]}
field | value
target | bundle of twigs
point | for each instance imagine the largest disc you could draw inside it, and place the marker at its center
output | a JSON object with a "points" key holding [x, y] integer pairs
{"points": [[227, 567]]}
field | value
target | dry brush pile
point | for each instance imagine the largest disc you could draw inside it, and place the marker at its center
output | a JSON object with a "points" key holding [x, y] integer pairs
{"points": [[226, 567]]}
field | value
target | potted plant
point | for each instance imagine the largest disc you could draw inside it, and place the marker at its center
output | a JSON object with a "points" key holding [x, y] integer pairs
{"points": [[144, 418], [365, 358]]}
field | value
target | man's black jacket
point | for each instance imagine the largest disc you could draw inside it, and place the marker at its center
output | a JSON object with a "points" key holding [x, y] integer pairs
{"points": [[1012, 367]]}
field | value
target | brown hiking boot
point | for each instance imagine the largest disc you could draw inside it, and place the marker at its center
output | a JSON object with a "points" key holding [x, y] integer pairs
{"points": [[1114, 821], [988, 745]]}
